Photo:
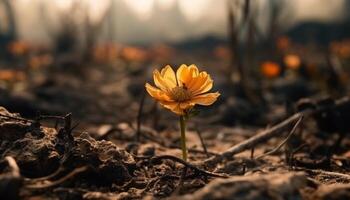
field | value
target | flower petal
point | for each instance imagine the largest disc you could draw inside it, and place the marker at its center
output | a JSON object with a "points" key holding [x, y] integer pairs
{"points": [[157, 93], [194, 70], [197, 82], [205, 99], [186, 105], [173, 106], [183, 75], [168, 74], [204, 87], [162, 83], [179, 72]]}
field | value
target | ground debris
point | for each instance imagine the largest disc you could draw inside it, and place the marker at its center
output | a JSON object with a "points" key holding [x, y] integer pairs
{"points": [[65, 163], [46, 159], [33, 147], [332, 192], [253, 187], [10, 180], [112, 163]]}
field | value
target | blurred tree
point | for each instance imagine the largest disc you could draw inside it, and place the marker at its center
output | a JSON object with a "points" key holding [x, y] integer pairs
{"points": [[65, 36], [78, 28], [242, 24], [279, 12], [7, 26], [93, 28]]}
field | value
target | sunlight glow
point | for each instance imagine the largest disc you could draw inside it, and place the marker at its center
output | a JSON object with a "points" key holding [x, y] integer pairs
{"points": [[142, 8], [320, 10], [23, 1], [165, 4], [63, 4], [97, 9], [193, 9]]}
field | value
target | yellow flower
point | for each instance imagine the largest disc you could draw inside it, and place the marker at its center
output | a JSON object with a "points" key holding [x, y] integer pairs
{"points": [[181, 91]]}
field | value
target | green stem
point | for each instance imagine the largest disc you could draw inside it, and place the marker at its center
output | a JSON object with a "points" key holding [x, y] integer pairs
{"points": [[183, 137]]}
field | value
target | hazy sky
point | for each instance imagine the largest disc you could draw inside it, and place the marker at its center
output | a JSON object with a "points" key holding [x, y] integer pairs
{"points": [[162, 20]]}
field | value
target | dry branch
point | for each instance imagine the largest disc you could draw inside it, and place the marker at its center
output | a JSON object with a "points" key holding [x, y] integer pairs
{"points": [[265, 135], [284, 141], [188, 165], [338, 105], [59, 181], [326, 173]]}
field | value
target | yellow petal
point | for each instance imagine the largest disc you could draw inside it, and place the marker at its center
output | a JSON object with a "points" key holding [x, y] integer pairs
{"points": [[179, 73], [197, 82], [194, 70], [183, 75], [205, 99], [190, 76], [157, 93], [162, 83], [168, 74], [205, 87], [173, 106], [186, 105]]}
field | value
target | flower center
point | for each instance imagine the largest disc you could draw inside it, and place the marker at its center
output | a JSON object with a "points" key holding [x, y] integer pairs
{"points": [[180, 94]]}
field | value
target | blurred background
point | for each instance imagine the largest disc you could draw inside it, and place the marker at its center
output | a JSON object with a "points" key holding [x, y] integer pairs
{"points": [[93, 57]]}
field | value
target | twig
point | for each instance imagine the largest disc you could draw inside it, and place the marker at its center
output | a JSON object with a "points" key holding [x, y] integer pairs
{"points": [[155, 114], [299, 148], [74, 127], [257, 139], [17, 118], [59, 181], [139, 117], [271, 132], [252, 150], [188, 165], [55, 173], [319, 171], [68, 122], [202, 142], [68, 127], [41, 117], [283, 142]]}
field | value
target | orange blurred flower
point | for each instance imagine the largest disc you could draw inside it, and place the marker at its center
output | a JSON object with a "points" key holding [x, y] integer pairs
{"points": [[40, 61], [270, 69], [11, 75], [292, 61], [342, 48], [222, 52], [283, 43], [18, 48], [105, 53], [182, 91], [162, 52], [134, 54]]}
